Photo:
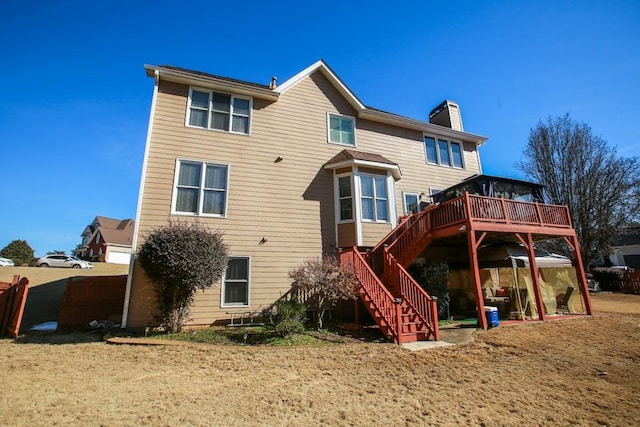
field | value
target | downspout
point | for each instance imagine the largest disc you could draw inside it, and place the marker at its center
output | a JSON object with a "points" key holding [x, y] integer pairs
{"points": [[478, 157], [136, 227]]}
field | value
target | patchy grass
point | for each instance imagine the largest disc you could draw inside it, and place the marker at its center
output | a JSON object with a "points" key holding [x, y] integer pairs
{"points": [[334, 333]]}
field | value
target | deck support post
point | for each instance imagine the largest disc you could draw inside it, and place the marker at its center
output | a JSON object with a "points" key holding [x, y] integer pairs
{"points": [[475, 275], [582, 278], [535, 276]]}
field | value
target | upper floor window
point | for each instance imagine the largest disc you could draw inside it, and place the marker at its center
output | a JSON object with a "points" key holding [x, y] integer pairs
{"points": [[374, 199], [98, 239], [200, 189], [341, 129], [212, 110], [443, 152]]}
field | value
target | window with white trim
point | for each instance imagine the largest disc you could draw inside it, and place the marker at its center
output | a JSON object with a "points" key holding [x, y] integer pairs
{"points": [[373, 197], [345, 198], [235, 283], [98, 239], [213, 110], [443, 152], [411, 203], [200, 189], [341, 129]]}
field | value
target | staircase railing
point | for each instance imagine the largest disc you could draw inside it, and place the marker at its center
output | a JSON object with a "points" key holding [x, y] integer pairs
{"points": [[413, 239], [425, 307], [383, 302]]}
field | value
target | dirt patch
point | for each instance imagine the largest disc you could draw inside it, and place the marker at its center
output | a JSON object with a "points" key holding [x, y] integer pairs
{"points": [[575, 372]]}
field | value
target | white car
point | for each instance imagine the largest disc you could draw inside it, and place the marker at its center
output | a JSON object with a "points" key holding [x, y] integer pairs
{"points": [[6, 262], [62, 260]]}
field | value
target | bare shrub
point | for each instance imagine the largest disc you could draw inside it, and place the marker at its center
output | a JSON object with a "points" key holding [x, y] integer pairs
{"points": [[320, 283]]}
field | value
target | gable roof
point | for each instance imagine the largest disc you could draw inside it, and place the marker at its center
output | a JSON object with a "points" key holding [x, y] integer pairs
{"points": [[115, 231], [190, 77], [353, 157], [122, 236]]}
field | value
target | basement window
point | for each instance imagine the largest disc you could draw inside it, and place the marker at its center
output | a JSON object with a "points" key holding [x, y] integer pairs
{"points": [[235, 284]]}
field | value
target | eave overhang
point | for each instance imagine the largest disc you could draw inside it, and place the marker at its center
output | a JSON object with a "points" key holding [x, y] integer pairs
{"points": [[393, 168], [409, 123], [211, 82]]}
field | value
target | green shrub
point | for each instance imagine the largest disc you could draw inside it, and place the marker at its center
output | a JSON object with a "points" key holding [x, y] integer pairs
{"points": [[608, 280], [180, 259], [434, 280], [19, 251], [288, 317]]}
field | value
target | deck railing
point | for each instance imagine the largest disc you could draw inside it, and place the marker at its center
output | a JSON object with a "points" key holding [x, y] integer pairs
{"points": [[384, 303], [506, 211], [423, 305]]}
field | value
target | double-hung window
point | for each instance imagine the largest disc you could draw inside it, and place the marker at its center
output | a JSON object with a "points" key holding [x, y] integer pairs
{"points": [[341, 129], [373, 197], [235, 284], [212, 110], [200, 188], [345, 197], [443, 152], [411, 203]]}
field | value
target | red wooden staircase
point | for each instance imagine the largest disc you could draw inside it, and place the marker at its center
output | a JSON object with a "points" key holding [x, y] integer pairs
{"points": [[402, 309]]}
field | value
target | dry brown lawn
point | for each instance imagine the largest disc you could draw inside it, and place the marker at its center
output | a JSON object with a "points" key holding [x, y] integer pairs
{"points": [[574, 372]]}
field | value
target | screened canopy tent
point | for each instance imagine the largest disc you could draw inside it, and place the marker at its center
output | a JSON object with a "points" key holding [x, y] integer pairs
{"points": [[493, 186], [513, 255]]}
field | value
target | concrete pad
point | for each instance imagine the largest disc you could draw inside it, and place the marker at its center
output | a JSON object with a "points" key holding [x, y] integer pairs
{"points": [[425, 345]]}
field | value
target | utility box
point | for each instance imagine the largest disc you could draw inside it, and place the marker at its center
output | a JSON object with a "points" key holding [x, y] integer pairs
{"points": [[491, 313]]}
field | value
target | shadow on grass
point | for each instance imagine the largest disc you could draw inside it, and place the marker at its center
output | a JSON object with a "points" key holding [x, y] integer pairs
{"points": [[333, 333], [60, 338]]}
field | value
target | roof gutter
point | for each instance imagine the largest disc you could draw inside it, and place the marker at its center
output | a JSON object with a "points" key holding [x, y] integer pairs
{"points": [[408, 123], [211, 82]]}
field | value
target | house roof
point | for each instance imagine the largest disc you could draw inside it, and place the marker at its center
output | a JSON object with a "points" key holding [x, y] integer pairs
{"points": [[118, 236], [115, 231], [190, 77], [628, 237], [349, 157]]}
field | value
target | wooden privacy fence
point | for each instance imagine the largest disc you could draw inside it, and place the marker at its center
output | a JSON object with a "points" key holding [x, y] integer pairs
{"points": [[13, 297], [92, 298], [630, 282]]}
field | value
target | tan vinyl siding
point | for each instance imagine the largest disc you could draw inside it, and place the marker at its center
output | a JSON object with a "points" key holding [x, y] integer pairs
{"points": [[347, 235], [290, 203], [373, 232]]}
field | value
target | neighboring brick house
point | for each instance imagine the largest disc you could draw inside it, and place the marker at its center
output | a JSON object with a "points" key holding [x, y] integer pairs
{"points": [[107, 240], [290, 173]]}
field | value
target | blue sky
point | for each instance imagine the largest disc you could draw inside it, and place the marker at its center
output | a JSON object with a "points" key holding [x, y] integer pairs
{"points": [[74, 98]]}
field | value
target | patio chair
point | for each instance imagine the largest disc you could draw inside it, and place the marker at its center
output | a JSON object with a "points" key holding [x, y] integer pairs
{"points": [[563, 302]]}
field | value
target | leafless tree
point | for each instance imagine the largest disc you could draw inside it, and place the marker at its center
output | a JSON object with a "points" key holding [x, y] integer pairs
{"points": [[580, 170], [321, 282]]}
